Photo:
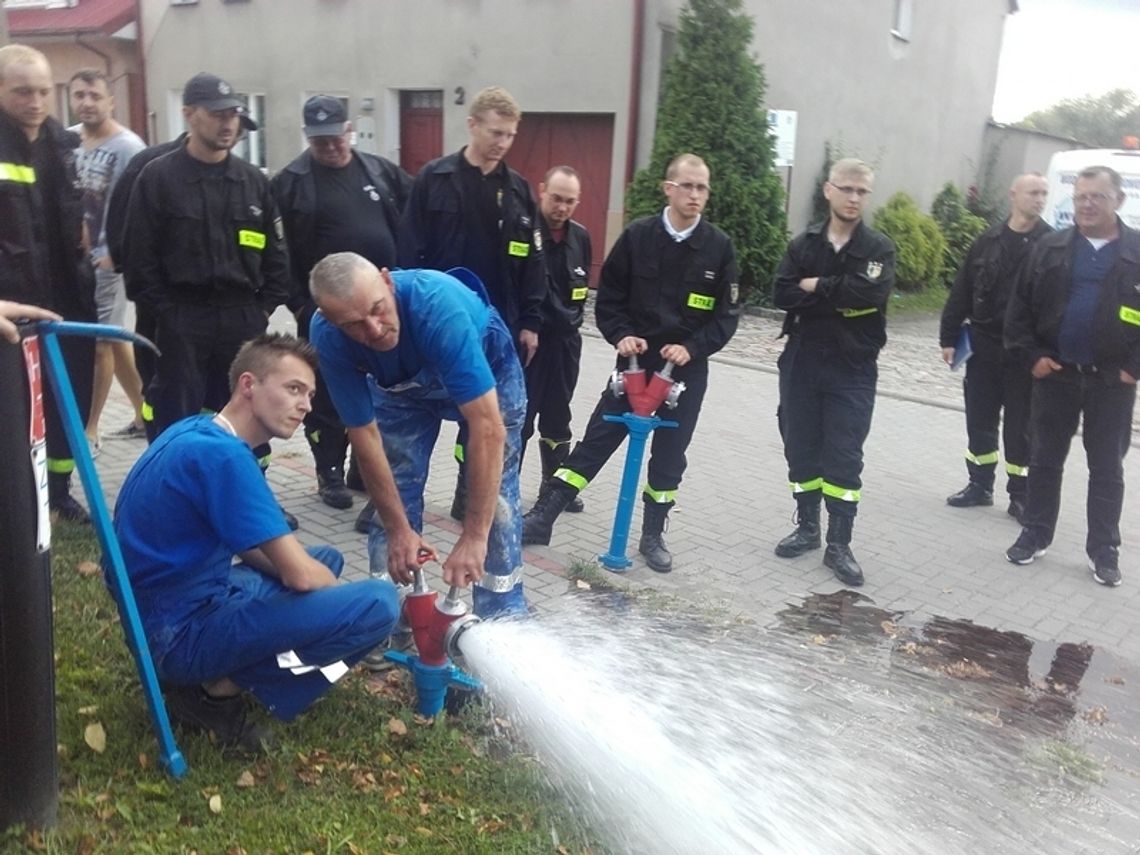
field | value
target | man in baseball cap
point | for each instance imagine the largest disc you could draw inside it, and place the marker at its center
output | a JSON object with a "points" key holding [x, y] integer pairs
{"points": [[325, 116], [212, 93]]}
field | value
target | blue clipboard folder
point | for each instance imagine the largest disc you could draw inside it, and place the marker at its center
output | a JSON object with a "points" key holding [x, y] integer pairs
{"points": [[963, 348]]}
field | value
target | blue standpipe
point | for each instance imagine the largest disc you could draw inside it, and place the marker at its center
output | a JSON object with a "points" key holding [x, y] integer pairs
{"points": [[172, 757], [639, 427], [433, 681]]}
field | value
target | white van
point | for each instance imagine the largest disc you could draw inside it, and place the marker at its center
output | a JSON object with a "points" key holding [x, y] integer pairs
{"points": [[1063, 169]]}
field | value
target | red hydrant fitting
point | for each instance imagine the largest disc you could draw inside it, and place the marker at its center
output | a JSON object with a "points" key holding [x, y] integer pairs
{"points": [[430, 620], [647, 397]]}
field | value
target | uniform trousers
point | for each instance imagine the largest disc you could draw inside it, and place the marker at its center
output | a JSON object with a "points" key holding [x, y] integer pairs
{"points": [[997, 392]]}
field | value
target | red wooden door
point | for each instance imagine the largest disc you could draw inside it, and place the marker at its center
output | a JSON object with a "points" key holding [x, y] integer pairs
{"points": [[583, 141], [421, 128]]}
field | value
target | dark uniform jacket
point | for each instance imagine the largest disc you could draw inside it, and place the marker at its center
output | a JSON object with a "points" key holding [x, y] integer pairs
{"points": [[432, 235], [696, 305], [296, 194], [1037, 306], [982, 287], [41, 222], [567, 289], [848, 309], [116, 223], [177, 255]]}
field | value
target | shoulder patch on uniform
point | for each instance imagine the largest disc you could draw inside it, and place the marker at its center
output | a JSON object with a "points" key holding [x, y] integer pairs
{"points": [[538, 240], [874, 270], [370, 189]]}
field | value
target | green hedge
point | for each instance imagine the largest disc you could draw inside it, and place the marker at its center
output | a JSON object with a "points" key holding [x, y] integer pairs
{"points": [[919, 244], [959, 227]]}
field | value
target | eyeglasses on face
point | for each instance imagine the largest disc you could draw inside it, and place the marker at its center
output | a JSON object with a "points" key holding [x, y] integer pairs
{"points": [[690, 187], [848, 190], [1093, 198]]}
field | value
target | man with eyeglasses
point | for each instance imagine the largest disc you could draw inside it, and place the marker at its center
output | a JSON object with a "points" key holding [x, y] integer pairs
{"points": [[834, 282], [1074, 320], [668, 294], [552, 375], [469, 209], [206, 257], [996, 386], [334, 199]]}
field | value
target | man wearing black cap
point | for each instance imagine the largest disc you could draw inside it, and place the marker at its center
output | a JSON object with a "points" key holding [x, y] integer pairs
{"points": [[206, 257], [334, 199]]}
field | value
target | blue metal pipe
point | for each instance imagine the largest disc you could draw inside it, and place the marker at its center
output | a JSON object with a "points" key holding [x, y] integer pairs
{"points": [[639, 427]]}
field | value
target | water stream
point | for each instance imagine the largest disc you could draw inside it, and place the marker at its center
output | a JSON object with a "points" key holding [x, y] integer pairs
{"points": [[840, 729]]}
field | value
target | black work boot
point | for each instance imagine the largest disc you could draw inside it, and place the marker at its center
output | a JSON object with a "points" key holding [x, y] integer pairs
{"points": [[332, 490], [652, 543], [552, 457], [353, 479], [538, 524], [838, 556], [60, 501], [806, 536], [194, 710], [459, 501], [972, 495]]}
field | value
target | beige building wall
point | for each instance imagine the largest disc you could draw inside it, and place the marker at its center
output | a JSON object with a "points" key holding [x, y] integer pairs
{"points": [[915, 104]]}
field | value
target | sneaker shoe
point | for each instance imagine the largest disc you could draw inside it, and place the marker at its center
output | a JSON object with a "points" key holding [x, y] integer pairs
{"points": [[1105, 567], [69, 509], [971, 496], [194, 710], [375, 660], [1025, 549], [131, 431]]}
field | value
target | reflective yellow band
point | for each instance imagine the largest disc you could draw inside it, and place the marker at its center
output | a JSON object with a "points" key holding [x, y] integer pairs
{"points": [[844, 494], [579, 294], [856, 313], [61, 467], [518, 248], [1014, 469], [702, 302], [18, 173], [458, 452], [983, 459], [314, 437], [661, 497], [553, 443], [147, 412], [252, 239], [264, 462], [1130, 316], [572, 478], [806, 486]]}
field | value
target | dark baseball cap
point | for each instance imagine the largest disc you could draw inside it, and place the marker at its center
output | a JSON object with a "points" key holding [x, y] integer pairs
{"points": [[212, 93], [325, 116]]}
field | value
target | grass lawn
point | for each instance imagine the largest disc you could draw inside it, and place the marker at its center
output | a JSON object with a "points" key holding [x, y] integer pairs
{"points": [[926, 302], [358, 773]]}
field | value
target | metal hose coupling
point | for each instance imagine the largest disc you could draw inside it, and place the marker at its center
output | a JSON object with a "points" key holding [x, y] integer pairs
{"points": [[455, 631]]}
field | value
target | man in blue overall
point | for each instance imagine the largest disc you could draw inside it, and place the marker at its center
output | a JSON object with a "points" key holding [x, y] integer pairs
{"points": [[402, 352], [275, 624]]}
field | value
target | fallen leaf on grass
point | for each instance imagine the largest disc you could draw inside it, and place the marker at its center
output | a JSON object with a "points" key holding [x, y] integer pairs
{"points": [[426, 832], [397, 727], [425, 808], [491, 826], [95, 737], [144, 761], [245, 780], [1095, 715], [87, 568], [582, 584], [91, 710], [215, 804], [888, 627]]}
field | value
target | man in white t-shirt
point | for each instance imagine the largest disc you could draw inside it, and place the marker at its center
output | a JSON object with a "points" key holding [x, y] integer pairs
{"points": [[100, 161]]}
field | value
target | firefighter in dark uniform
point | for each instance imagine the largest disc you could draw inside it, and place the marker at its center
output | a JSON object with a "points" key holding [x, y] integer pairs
{"points": [[668, 293], [206, 255], [552, 375], [1074, 320], [995, 382], [834, 282], [469, 209], [42, 253], [334, 199]]}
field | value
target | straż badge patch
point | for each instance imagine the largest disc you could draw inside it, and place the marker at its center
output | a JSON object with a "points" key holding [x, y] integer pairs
{"points": [[874, 270]]}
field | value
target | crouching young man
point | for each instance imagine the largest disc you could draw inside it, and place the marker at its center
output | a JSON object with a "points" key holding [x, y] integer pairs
{"points": [[274, 623]]}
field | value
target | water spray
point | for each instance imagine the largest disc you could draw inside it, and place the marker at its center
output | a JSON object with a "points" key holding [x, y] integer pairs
{"points": [[436, 628], [646, 397]]}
